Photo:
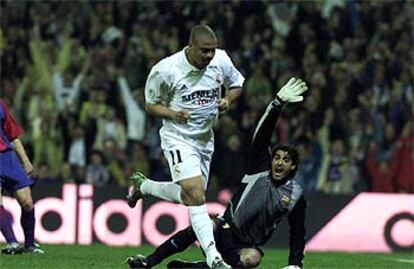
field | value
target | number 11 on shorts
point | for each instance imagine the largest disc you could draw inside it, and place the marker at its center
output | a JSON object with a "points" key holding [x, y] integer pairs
{"points": [[176, 158]]}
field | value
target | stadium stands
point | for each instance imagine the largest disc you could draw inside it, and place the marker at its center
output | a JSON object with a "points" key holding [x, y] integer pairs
{"points": [[62, 64]]}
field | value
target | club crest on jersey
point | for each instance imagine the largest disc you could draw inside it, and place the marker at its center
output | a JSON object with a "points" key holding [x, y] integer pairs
{"points": [[285, 199], [219, 79], [177, 169]]}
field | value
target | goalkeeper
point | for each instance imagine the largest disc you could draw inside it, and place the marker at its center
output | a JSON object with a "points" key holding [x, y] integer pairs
{"points": [[267, 194]]}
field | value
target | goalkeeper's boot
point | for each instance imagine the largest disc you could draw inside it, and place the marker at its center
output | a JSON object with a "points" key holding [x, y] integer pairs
{"points": [[218, 263], [35, 248], [12, 249], [138, 261], [175, 264], [137, 179]]}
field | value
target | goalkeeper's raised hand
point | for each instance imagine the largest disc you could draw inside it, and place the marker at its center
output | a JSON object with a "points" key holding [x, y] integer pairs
{"points": [[292, 91]]}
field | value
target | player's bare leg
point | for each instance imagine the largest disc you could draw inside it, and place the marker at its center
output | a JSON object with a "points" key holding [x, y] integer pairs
{"points": [[250, 257]]}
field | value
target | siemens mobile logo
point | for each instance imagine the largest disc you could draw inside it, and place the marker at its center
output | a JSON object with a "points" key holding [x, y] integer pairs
{"points": [[202, 96]]}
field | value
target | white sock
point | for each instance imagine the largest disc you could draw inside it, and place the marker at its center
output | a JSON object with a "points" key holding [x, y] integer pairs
{"points": [[164, 190], [203, 228]]}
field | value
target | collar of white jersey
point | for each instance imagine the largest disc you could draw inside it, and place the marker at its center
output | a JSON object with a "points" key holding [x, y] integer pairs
{"points": [[186, 65]]}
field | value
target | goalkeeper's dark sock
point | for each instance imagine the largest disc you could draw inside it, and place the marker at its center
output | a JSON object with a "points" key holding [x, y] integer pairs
{"points": [[187, 264], [27, 220], [6, 225], [179, 242]]}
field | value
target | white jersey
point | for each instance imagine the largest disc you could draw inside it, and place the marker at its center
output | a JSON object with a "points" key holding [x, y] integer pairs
{"points": [[177, 84]]}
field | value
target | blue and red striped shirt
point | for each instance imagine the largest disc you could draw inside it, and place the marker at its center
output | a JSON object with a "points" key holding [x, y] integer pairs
{"points": [[9, 129]]}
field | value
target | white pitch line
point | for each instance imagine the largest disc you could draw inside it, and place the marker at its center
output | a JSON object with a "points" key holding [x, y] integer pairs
{"points": [[405, 260]]}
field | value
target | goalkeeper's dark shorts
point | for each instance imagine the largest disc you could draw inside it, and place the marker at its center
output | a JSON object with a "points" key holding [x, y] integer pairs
{"points": [[228, 244]]}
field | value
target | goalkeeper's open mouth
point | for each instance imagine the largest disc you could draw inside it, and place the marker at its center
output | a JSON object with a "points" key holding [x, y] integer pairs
{"points": [[279, 173]]}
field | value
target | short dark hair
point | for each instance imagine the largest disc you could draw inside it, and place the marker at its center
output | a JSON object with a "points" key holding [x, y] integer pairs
{"points": [[293, 154], [199, 31]]}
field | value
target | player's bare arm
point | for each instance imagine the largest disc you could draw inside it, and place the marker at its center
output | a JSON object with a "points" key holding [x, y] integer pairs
{"points": [[162, 111], [27, 165], [225, 103]]}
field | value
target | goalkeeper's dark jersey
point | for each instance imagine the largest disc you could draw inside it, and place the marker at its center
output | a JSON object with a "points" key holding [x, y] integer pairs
{"points": [[260, 204]]}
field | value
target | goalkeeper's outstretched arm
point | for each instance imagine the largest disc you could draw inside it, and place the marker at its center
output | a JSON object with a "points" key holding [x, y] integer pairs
{"points": [[259, 157]]}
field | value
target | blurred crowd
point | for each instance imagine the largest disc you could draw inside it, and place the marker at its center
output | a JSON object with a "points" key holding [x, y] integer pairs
{"points": [[73, 74]]}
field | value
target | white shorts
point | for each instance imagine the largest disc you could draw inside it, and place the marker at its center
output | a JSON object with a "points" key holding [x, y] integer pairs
{"points": [[187, 157]]}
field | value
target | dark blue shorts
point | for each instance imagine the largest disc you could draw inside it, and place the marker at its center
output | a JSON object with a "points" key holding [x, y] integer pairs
{"points": [[12, 175]]}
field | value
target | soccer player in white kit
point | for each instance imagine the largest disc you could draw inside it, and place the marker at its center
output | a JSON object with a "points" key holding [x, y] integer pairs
{"points": [[184, 89]]}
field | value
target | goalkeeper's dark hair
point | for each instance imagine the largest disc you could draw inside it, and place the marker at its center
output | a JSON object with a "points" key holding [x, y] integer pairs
{"points": [[293, 154]]}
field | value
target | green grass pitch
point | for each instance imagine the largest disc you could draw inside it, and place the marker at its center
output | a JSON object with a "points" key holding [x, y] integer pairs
{"points": [[99, 256]]}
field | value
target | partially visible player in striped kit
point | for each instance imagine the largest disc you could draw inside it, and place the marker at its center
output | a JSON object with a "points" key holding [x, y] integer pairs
{"points": [[15, 172], [185, 90], [268, 193]]}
